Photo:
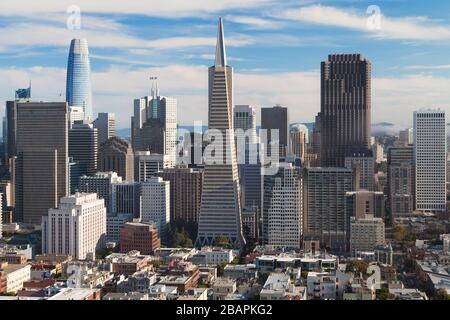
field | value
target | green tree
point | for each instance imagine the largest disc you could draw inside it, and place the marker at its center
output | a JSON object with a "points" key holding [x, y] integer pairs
{"points": [[442, 294], [357, 266]]}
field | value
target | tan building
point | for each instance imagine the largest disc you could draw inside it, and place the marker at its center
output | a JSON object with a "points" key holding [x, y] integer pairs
{"points": [[116, 155], [41, 169], [186, 192]]}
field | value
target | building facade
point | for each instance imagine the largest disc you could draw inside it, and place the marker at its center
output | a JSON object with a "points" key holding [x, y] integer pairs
{"points": [[430, 158], [283, 208], [156, 203], [77, 227], [185, 192], [116, 155], [106, 126], [345, 107], [41, 167], [220, 212], [78, 86], [139, 236]]}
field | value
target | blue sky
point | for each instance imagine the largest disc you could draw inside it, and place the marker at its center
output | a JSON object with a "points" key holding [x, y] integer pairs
{"points": [[274, 46]]}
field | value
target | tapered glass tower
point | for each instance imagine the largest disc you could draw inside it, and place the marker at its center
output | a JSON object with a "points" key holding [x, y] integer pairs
{"points": [[78, 86], [220, 213]]}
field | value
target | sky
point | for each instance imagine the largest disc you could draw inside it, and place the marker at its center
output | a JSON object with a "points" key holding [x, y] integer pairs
{"points": [[274, 46]]}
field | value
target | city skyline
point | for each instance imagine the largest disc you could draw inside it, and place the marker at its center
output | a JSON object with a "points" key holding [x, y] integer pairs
{"points": [[280, 54]]}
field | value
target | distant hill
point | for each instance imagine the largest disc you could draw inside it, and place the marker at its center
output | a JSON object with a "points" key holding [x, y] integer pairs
{"points": [[377, 128]]}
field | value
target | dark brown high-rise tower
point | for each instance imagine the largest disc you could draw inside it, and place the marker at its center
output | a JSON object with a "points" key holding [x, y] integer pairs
{"points": [[345, 107]]}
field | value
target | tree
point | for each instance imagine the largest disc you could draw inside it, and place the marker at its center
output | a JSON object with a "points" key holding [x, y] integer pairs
{"points": [[400, 233], [384, 294], [358, 266], [442, 294]]}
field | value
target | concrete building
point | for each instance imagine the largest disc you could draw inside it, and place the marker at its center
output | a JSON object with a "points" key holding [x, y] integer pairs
{"points": [[324, 204], [185, 192], [77, 227], [250, 223], [212, 256], [126, 198], [101, 184], [139, 236], [221, 216], [223, 287], [283, 208], [366, 234], [16, 275], [116, 155], [364, 162], [147, 164], [156, 203], [299, 137], [321, 286], [358, 204], [279, 286], [345, 107], [41, 169], [406, 137], [245, 119], [114, 224], [154, 125], [401, 177], [430, 158], [106, 126]]}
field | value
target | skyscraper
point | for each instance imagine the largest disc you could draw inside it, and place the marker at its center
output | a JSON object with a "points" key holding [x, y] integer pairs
{"points": [[324, 203], [77, 227], [345, 107], [299, 135], [220, 213], [245, 119], [276, 118], [83, 147], [78, 85], [154, 125], [365, 163], [101, 184], [282, 208], [400, 170], [185, 192], [430, 155], [147, 164], [116, 155], [155, 208], [106, 126], [41, 173]]}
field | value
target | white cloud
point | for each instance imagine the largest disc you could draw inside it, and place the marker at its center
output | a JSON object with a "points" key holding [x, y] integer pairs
{"points": [[408, 28], [394, 98], [153, 8], [255, 22]]}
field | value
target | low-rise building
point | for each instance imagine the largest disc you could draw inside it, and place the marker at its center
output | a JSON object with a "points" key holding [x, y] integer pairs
{"points": [[321, 286], [139, 236], [129, 263], [222, 287], [212, 256], [13, 258], [240, 271], [76, 294], [16, 275], [195, 294], [279, 286], [408, 294], [140, 281]]}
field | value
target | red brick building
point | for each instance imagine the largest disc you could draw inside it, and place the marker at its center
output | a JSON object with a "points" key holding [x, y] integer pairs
{"points": [[139, 236]]}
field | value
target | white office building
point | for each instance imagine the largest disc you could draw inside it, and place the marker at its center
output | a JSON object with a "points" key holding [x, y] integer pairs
{"points": [[148, 164], [430, 152], [77, 227], [282, 217], [155, 193]]}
